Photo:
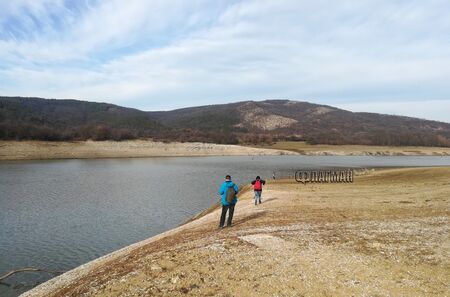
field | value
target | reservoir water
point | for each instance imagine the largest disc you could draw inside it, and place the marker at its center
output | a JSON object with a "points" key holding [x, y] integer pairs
{"points": [[60, 214]]}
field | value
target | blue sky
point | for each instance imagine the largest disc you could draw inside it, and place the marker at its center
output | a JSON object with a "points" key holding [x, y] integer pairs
{"points": [[377, 56]]}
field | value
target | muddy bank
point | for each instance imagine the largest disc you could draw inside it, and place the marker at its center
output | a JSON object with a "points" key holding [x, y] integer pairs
{"points": [[43, 150], [388, 233]]}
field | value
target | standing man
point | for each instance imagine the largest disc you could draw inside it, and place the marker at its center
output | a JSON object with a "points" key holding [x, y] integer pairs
{"points": [[257, 187], [228, 191]]}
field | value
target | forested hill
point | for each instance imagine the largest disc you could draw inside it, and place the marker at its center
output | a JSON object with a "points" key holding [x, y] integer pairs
{"points": [[241, 122], [50, 119]]}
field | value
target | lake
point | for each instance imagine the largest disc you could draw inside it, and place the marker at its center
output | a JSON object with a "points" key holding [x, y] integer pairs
{"points": [[60, 214]]}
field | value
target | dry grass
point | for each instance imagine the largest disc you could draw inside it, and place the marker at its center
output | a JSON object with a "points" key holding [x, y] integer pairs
{"points": [[323, 149], [387, 234]]}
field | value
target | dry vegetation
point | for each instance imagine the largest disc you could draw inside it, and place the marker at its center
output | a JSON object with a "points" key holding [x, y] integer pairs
{"points": [[246, 122], [376, 150], [387, 234]]}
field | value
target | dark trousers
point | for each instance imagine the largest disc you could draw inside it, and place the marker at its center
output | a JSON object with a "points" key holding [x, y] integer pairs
{"points": [[225, 208]]}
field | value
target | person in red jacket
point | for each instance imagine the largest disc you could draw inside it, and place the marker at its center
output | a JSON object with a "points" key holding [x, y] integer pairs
{"points": [[257, 187]]}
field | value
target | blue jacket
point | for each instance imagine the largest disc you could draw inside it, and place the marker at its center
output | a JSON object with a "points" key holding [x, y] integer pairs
{"points": [[223, 191]]}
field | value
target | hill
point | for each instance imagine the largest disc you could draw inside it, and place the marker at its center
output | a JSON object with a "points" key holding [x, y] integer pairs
{"points": [[50, 119], [241, 122], [256, 122]]}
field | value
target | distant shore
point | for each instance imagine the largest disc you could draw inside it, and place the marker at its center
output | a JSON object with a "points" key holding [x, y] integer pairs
{"points": [[45, 150], [386, 233], [304, 148]]}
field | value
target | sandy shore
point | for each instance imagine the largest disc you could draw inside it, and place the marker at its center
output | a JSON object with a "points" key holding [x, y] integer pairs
{"points": [[304, 148], [386, 234], [42, 150]]}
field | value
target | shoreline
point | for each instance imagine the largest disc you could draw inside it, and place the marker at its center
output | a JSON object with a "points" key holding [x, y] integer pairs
{"points": [[47, 150], [163, 264], [69, 276], [304, 148]]}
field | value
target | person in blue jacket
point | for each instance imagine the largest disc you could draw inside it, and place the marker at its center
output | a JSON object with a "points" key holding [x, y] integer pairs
{"points": [[225, 204]]}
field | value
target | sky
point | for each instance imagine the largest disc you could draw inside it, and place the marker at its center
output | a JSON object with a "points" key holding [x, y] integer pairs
{"points": [[376, 56]]}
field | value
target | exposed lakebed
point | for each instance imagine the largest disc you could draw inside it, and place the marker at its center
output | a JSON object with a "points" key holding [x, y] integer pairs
{"points": [[60, 214]]}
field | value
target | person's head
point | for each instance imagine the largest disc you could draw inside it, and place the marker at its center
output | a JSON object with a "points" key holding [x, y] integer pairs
{"points": [[228, 177], [258, 178]]}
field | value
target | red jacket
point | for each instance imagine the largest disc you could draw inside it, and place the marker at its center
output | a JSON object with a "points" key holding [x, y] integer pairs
{"points": [[263, 182]]}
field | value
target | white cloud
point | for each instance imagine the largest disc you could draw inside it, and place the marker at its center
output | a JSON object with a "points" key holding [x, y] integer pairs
{"points": [[156, 54]]}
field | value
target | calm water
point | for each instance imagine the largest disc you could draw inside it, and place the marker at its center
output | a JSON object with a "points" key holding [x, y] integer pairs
{"points": [[60, 214]]}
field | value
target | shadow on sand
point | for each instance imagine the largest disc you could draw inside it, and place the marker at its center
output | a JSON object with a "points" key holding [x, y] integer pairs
{"points": [[243, 220]]}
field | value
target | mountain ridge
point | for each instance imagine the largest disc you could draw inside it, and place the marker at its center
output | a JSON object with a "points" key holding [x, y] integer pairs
{"points": [[238, 122]]}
